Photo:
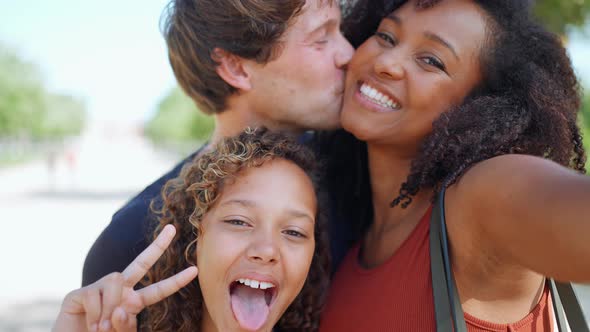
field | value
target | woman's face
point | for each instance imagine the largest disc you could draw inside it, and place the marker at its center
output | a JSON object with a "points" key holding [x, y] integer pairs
{"points": [[418, 64], [256, 247]]}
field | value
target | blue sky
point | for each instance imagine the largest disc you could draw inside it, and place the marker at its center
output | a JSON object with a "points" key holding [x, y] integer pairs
{"points": [[111, 52]]}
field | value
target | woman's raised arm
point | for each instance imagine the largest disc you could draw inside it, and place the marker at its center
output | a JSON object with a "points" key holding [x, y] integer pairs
{"points": [[529, 211]]}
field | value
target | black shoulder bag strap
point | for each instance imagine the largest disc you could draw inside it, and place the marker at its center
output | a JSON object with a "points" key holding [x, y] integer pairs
{"points": [[447, 306]]}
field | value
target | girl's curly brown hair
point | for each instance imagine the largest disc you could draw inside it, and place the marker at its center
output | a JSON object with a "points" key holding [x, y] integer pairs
{"points": [[527, 103], [186, 199]]}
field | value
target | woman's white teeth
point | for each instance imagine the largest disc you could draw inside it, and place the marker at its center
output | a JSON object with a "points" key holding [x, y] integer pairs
{"points": [[255, 283], [378, 97]]}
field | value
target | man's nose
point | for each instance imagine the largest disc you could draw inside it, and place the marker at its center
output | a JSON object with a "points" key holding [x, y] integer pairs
{"points": [[344, 53]]}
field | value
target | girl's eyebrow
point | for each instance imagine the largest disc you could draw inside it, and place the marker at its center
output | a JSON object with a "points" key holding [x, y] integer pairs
{"points": [[243, 202], [300, 215], [295, 213]]}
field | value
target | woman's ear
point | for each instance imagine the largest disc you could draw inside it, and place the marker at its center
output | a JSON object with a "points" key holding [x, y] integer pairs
{"points": [[232, 69]]}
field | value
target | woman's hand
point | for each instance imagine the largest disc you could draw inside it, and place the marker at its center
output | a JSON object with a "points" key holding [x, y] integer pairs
{"points": [[111, 304]]}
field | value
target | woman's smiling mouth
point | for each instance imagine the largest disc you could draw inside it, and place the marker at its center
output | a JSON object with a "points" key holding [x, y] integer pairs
{"points": [[373, 95], [374, 99]]}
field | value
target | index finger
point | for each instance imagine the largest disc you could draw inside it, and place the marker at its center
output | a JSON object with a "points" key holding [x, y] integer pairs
{"points": [[157, 292], [142, 263]]}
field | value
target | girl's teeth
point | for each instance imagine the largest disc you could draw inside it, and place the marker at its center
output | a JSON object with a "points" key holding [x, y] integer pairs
{"points": [[255, 283]]}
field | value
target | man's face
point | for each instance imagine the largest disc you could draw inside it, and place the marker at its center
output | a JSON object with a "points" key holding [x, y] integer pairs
{"points": [[303, 87]]}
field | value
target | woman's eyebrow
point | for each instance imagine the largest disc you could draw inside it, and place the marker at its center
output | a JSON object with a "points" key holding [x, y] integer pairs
{"points": [[394, 18], [441, 41], [432, 36]]}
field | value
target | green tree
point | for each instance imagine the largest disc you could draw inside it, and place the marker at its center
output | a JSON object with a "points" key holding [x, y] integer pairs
{"points": [[21, 94], [178, 119], [559, 15], [27, 109], [64, 116]]}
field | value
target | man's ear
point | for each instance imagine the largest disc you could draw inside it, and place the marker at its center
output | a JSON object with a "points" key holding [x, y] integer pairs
{"points": [[232, 69]]}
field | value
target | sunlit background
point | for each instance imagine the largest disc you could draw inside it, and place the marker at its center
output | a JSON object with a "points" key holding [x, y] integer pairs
{"points": [[89, 115]]}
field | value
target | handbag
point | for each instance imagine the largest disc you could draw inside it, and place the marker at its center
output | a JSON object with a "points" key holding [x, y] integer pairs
{"points": [[447, 307]]}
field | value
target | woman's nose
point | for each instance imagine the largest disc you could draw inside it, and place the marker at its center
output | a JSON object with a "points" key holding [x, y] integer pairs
{"points": [[389, 65]]}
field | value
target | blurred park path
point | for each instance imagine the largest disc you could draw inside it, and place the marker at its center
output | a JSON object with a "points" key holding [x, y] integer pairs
{"points": [[52, 211]]}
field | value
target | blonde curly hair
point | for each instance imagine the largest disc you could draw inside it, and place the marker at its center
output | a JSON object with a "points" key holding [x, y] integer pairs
{"points": [[185, 201]]}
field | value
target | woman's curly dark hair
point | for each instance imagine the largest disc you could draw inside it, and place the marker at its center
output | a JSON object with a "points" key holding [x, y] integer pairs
{"points": [[186, 199], [527, 102]]}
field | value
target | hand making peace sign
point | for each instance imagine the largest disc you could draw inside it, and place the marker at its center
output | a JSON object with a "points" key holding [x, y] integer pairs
{"points": [[111, 304]]}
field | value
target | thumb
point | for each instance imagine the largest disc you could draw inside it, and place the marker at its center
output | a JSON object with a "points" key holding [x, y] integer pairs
{"points": [[123, 322]]}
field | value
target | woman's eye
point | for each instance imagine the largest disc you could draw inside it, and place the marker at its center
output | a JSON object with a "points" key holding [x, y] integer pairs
{"points": [[432, 61], [236, 222], [293, 233], [386, 38]]}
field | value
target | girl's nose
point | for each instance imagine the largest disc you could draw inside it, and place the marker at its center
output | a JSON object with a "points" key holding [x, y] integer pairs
{"points": [[263, 249]]}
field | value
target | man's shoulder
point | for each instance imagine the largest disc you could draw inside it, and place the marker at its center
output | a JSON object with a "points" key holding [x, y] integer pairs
{"points": [[128, 233], [138, 207]]}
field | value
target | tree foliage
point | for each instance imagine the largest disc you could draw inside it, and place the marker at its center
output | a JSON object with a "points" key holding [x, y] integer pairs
{"points": [[178, 119], [27, 109], [559, 15]]}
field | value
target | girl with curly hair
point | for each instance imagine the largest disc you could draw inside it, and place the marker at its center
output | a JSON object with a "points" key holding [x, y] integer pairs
{"points": [[475, 99], [247, 214]]}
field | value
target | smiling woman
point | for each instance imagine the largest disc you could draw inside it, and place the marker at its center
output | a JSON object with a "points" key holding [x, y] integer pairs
{"points": [[475, 99], [247, 215]]}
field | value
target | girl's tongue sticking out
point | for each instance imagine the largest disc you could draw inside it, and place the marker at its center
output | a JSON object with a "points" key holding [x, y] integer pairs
{"points": [[251, 306]]}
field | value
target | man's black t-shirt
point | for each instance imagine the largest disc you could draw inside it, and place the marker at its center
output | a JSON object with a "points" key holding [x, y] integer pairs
{"points": [[129, 232], [131, 228]]}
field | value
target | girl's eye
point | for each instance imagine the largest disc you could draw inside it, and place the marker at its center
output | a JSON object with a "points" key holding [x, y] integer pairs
{"points": [[387, 38], [322, 42], [432, 61], [293, 233], [236, 222]]}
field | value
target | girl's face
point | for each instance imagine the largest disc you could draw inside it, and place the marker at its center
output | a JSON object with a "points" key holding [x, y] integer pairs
{"points": [[418, 64], [256, 247]]}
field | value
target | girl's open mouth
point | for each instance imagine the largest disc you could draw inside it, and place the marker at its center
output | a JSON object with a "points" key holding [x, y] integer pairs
{"points": [[251, 301]]}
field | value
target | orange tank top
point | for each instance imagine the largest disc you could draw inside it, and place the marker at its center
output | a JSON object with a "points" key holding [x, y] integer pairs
{"points": [[397, 295]]}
